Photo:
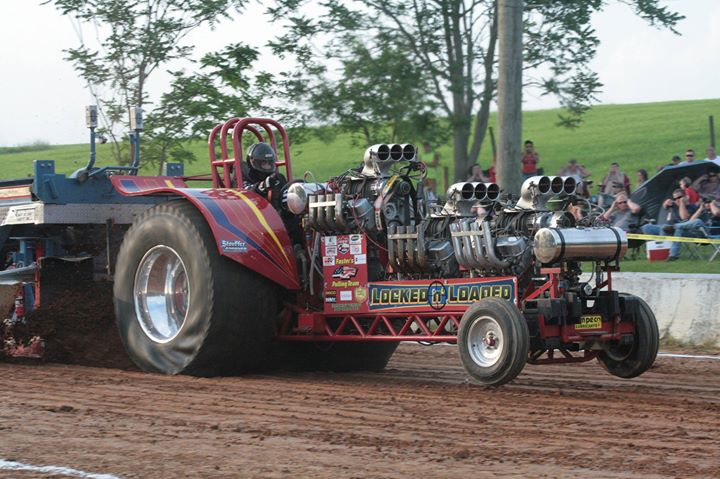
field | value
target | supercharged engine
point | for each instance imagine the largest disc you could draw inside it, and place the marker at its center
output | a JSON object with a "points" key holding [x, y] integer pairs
{"points": [[476, 232]]}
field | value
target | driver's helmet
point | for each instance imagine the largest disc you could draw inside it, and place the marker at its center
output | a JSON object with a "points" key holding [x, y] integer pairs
{"points": [[261, 158]]}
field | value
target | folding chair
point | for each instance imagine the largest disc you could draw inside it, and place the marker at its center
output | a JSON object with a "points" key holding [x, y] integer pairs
{"points": [[711, 233]]}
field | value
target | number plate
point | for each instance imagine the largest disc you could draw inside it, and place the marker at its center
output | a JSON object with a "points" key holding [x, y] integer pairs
{"points": [[593, 321]]}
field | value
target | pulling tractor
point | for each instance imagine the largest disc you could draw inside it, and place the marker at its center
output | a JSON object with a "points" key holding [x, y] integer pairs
{"points": [[207, 280]]}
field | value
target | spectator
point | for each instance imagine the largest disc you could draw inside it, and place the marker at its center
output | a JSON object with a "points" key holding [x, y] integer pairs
{"points": [[707, 214], [432, 167], [708, 185], [692, 196], [530, 160], [678, 211], [673, 162], [689, 157], [612, 184], [491, 171], [576, 171], [476, 174], [711, 155], [641, 176], [623, 213]]}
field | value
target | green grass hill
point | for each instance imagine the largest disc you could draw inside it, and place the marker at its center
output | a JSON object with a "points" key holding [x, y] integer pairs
{"points": [[636, 136]]}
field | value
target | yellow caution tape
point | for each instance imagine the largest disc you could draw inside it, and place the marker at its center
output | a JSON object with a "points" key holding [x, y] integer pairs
{"points": [[678, 239]]}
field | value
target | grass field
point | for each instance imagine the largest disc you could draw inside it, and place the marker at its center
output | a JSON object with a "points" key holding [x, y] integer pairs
{"points": [[636, 136]]}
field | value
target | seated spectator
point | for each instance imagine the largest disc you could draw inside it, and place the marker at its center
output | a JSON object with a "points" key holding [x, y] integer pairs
{"points": [[476, 174], [708, 185], [613, 183], [641, 176], [692, 195], [623, 213], [707, 214], [673, 162], [678, 211]]}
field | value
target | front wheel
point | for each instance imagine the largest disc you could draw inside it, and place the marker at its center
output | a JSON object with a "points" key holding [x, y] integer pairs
{"points": [[493, 340], [183, 308], [631, 360]]}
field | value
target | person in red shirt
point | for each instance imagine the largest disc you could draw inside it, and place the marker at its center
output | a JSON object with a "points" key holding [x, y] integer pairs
{"points": [[692, 196], [530, 160]]}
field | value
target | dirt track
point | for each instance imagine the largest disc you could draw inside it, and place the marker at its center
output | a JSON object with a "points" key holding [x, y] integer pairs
{"points": [[418, 419]]}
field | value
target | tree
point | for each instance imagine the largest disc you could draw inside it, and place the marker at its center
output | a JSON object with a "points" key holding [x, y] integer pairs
{"points": [[227, 84], [379, 97], [455, 43], [135, 39]]}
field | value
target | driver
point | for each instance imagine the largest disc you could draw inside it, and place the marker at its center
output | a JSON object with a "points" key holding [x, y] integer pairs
{"points": [[261, 176]]}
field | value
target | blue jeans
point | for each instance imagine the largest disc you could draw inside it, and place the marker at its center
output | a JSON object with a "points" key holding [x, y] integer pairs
{"points": [[684, 229]]}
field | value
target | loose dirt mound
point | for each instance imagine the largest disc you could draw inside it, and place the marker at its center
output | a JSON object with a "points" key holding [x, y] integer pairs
{"points": [[78, 326]]}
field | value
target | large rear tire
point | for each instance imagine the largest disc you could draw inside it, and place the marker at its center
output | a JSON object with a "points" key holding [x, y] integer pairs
{"points": [[494, 341], [631, 360], [183, 308]]}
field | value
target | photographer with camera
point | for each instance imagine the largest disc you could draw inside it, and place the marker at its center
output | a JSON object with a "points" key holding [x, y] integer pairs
{"points": [[684, 219]]}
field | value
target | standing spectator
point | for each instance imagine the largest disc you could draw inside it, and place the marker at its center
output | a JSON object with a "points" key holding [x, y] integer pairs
{"points": [[576, 171], [491, 171], [641, 176], [711, 155], [673, 162], [579, 173], [692, 196], [476, 174], [612, 184], [530, 160], [689, 157], [432, 169], [623, 213]]}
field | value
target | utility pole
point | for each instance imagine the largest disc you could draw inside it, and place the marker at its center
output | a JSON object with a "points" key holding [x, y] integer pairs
{"points": [[510, 31]]}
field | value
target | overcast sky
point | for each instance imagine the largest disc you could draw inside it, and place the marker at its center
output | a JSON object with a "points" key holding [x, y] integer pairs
{"points": [[41, 97]]}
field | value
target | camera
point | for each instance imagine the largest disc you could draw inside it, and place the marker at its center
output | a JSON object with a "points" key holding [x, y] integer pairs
{"points": [[707, 200]]}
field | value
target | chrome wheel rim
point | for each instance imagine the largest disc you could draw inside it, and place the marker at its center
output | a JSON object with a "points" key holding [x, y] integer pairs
{"points": [[485, 341], [161, 294]]}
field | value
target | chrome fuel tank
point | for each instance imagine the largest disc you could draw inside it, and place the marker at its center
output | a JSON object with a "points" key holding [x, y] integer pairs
{"points": [[579, 244]]}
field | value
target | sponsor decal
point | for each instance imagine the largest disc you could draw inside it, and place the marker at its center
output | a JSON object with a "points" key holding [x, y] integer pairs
{"points": [[360, 259], [345, 306], [345, 284], [330, 296], [437, 295], [355, 239], [330, 240], [331, 250], [361, 294], [343, 248], [345, 295], [355, 249], [233, 245], [328, 260], [344, 272]]}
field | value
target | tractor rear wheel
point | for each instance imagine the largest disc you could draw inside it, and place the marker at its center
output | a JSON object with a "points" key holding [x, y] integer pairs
{"points": [[631, 360], [493, 340], [180, 306]]}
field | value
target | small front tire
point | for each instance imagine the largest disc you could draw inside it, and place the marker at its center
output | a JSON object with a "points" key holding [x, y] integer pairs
{"points": [[493, 340]]}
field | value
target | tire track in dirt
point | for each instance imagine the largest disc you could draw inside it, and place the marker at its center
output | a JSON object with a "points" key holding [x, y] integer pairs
{"points": [[419, 418]]}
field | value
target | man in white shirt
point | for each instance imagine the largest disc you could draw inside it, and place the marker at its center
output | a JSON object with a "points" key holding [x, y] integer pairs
{"points": [[711, 155]]}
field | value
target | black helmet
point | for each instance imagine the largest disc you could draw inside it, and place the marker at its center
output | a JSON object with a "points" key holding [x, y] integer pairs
{"points": [[261, 158]]}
